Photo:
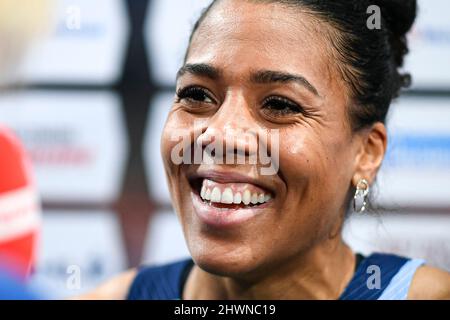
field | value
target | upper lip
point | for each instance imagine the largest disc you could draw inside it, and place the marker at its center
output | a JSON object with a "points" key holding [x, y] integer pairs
{"points": [[223, 176]]}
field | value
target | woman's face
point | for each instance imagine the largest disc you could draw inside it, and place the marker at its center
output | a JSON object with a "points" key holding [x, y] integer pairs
{"points": [[261, 69]]}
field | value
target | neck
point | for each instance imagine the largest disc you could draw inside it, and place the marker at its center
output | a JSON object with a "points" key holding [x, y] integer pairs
{"points": [[321, 273]]}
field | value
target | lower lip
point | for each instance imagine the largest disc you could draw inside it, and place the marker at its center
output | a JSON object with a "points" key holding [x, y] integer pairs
{"points": [[222, 217]]}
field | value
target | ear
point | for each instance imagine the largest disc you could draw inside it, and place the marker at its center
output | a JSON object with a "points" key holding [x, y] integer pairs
{"points": [[371, 151]]}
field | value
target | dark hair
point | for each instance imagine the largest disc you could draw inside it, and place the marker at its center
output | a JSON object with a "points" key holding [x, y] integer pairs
{"points": [[371, 57]]}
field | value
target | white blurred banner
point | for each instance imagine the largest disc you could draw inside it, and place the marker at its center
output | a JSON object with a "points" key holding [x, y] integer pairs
{"points": [[167, 28], [429, 43], [86, 45], [416, 169], [79, 250], [77, 141]]}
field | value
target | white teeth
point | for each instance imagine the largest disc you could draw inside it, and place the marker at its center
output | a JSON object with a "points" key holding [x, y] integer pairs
{"points": [[202, 192], [261, 198], [207, 194], [215, 195], [254, 199], [227, 196], [246, 197], [237, 198]]}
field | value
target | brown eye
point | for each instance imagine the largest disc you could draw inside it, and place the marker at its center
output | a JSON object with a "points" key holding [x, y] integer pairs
{"points": [[194, 94], [281, 106]]}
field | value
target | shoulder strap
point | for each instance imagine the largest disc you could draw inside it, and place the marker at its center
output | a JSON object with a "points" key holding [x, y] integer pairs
{"points": [[399, 286], [163, 282], [388, 264]]}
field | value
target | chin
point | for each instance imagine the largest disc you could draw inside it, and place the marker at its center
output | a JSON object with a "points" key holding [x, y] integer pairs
{"points": [[229, 259]]}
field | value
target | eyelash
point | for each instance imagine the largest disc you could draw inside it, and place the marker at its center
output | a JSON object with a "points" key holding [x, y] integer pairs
{"points": [[280, 106], [189, 93]]}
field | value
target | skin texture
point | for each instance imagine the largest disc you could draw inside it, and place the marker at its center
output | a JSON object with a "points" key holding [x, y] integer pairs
{"points": [[430, 283], [298, 235], [293, 248]]}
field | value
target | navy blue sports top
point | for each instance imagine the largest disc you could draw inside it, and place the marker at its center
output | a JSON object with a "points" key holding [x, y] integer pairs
{"points": [[166, 282]]}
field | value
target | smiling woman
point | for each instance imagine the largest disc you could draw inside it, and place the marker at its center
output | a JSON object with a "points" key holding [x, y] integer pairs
{"points": [[313, 74]]}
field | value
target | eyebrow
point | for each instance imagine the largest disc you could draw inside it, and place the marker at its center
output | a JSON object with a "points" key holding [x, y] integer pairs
{"points": [[261, 76], [199, 69], [269, 76]]}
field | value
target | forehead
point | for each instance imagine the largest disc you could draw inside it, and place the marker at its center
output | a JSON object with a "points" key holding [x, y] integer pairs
{"points": [[239, 36]]}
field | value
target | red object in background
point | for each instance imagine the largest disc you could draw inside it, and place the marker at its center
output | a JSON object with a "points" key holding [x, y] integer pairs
{"points": [[19, 207]]}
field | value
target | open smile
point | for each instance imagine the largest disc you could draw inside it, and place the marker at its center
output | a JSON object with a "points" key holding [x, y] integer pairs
{"points": [[227, 199]]}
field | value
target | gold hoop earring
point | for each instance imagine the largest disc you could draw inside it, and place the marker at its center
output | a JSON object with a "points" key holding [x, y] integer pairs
{"points": [[360, 197]]}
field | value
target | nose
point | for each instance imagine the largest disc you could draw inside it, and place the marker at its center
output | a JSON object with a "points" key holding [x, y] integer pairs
{"points": [[231, 129]]}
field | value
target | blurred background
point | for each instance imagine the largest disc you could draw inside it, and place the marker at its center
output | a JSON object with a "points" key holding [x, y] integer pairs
{"points": [[86, 86]]}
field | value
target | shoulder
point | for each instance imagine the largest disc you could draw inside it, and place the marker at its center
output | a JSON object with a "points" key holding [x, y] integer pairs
{"points": [[160, 281], [115, 288], [148, 282], [413, 279], [430, 283]]}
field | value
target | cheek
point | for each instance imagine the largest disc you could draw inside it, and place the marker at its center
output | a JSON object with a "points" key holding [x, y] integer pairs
{"points": [[175, 136], [315, 158], [166, 143], [315, 168], [303, 158]]}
